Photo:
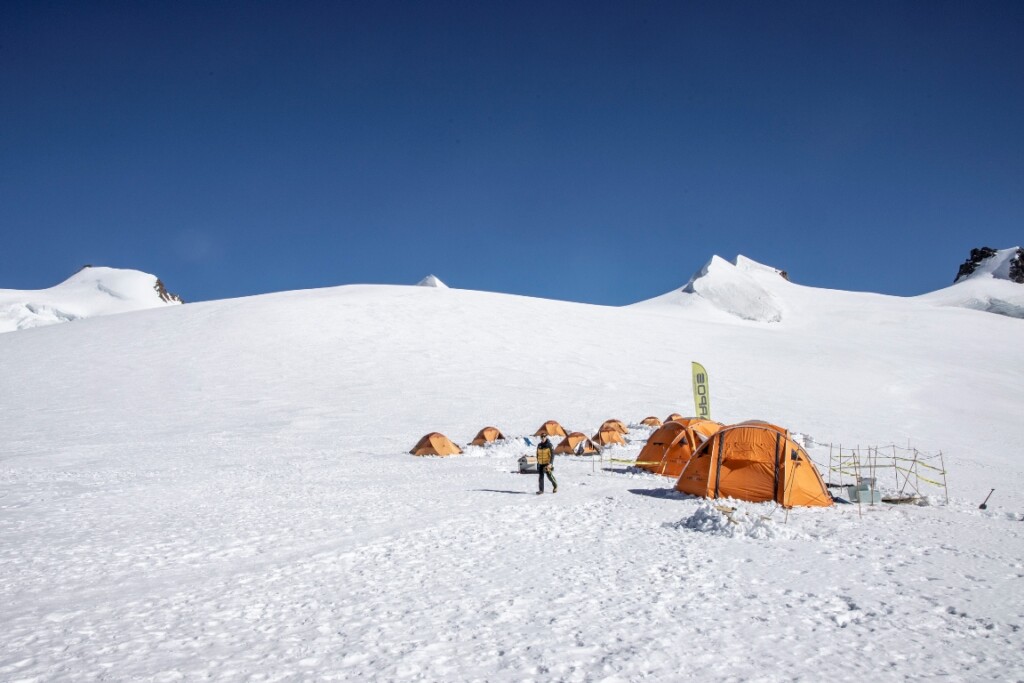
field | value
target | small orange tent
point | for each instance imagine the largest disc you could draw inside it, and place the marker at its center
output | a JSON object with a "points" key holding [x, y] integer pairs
{"points": [[617, 425], [757, 462], [669, 448], [651, 421], [576, 443], [653, 453], [676, 456], [487, 435], [606, 437], [550, 428], [435, 443], [673, 416]]}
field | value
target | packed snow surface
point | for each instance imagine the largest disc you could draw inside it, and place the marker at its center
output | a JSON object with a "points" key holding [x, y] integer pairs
{"points": [[223, 490], [90, 292]]}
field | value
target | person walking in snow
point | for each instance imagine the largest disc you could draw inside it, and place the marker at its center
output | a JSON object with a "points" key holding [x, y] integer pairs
{"points": [[546, 465]]}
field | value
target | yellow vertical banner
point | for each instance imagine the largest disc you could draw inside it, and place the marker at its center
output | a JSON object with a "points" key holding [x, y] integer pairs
{"points": [[701, 393]]}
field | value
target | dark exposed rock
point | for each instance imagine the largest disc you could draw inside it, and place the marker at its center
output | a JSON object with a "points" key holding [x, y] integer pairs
{"points": [[164, 294], [971, 264], [1017, 266]]}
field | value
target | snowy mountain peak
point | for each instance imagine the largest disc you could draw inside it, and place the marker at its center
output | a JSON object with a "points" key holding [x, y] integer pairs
{"points": [[92, 291], [988, 281], [432, 281], [741, 288], [1001, 264]]}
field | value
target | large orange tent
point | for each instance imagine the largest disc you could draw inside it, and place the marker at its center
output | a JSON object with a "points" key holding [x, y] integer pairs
{"points": [[757, 462], [487, 435], [550, 428], [576, 443], [607, 437], [435, 443], [669, 448], [617, 425]]}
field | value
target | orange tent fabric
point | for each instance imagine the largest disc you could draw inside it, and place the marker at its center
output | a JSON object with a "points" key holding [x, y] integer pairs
{"points": [[576, 443], [435, 443], [757, 462], [550, 428], [669, 448], [673, 416], [487, 435], [607, 437], [617, 425], [651, 421]]}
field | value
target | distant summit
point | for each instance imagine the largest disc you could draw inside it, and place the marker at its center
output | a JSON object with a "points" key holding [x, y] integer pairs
{"points": [[92, 291], [432, 281], [1003, 264], [740, 288], [990, 280]]}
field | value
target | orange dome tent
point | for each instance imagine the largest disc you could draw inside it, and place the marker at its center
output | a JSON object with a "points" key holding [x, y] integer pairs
{"points": [[576, 443], [651, 421], [606, 437], [550, 428], [757, 462], [653, 452], [617, 425], [696, 431], [673, 416], [435, 443], [487, 435]]}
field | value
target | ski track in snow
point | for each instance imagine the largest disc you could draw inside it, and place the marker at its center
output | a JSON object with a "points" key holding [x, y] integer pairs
{"points": [[305, 566]]}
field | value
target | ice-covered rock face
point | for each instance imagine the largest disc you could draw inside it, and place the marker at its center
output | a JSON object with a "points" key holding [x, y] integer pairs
{"points": [[988, 281], [88, 293], [1002, 264], [432, 281], [737, 288]]}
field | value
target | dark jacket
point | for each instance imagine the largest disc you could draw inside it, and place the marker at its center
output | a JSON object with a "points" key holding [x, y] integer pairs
{"points": [[545, 445]]}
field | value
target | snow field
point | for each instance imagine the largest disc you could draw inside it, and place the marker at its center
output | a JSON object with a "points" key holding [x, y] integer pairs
{"points": [[300, 566], [222, 491]]}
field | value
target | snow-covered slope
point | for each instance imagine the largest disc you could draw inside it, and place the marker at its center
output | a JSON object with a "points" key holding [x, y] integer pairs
{"points": [[90, 292], [223, 490], [743, 288], [989, 286]]}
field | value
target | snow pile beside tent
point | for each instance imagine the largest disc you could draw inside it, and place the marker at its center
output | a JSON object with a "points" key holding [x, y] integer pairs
{"points": [[733, 519], [88, 293], [991, 280]]}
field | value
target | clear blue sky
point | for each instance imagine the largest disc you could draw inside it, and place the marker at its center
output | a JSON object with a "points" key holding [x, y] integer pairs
{"points": [[588, 151]]}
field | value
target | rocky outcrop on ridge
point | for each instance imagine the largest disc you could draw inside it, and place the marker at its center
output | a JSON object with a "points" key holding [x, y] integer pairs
{"points": [[971, 264]]}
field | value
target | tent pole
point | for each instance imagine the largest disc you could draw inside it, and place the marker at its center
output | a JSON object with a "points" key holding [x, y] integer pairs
{"points": [[942, 462]]}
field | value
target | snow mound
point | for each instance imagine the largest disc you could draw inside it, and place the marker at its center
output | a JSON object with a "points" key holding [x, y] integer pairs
{"points": [[988, 281], [89, 292], [739, 288], [432, 281], [734, 520]]}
